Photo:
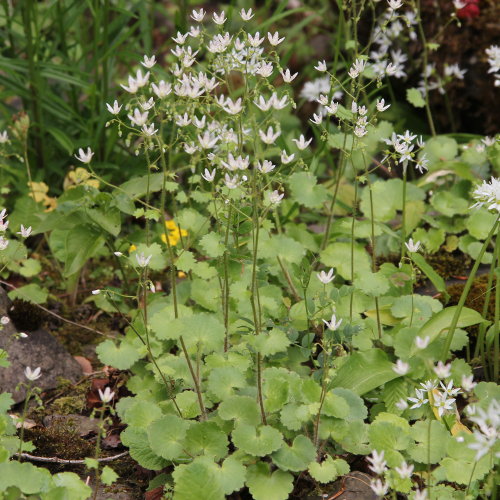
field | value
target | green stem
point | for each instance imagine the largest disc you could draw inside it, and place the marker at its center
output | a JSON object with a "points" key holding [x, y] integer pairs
{"points": [[403, 217], [465, 292], [496, 344]]}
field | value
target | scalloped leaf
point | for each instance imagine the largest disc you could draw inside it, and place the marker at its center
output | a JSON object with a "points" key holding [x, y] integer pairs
{"points": [[257, 441], [266, 485], [297, 456]]}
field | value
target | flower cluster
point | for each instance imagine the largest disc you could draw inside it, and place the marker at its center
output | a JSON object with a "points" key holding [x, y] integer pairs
{"points": [[488, 193], [441, 397], [493, 53], [487, 433], [24, 232], [403, 150]]}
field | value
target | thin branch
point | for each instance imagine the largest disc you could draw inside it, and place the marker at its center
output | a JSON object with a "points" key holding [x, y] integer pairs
{"points": [[57, 460]]}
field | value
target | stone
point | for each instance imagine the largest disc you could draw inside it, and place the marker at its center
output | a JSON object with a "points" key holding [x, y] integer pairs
{"points": [[39, 349], [83, 426]]}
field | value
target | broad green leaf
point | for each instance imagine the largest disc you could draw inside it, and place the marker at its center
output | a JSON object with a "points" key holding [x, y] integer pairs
{"points": [[121, 356], [206, 438], [212, 245], [328, 470], [365, 371], [166, 436], [270, 343], [357, 408], [108, 219], [140, 414], [338, 255], [282, 246], [297, 456], [414, 97], [198, 479], [32, 293], [266, 485], [258, 441], [137, 441], [373, 284], [223, 380], [243, 409], [306, 191], [25, 476], [158, 260], [81, 243], [433, 276], [480, 222], [432, 439], [108, 475]]}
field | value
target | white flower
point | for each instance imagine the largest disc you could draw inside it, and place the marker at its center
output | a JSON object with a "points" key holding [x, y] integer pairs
{"points": [[404, 470], [301, 142], [4, 320], [401, 405], [360, 131], [265, 167], [142, 260], [333, 324], [326, 278], [236, 163], [231, 182], [316, 119], [180, 38], [209, 176], [419, 400], [147, 105], [362, 110], [115, 109], [198, 15], [138, 118], [219, 18], [391, 69], [395, 4], [233, 107], [149, 62], [429, 385], [265, 69], [401, 368], [285, 158], [378, 464], [357, 68], [23, 335], [488, 193], [279, 103], [182, 120], [420, 495], [412, 246], [275, 39], [133, 86], [449, 390], [3, 225], [287, 76], [270, 136], [378, 487], [443, 404], [149, 130], [32, 375], [190, 148], [442, 370], [162, 89], [459, 4], [332, 108], [207, 140], [4, 137], [468, 383], [255, 40], [107, 395], [246, 16], [199, 122], [264, 105], [3, 214], [422, 343], [275, 197], [421, 164], [194, 31], [321, 66], [25, 231], [3, 243], [84, 157], [118, 254], [381, 105], [489, 141], [96, 292]]}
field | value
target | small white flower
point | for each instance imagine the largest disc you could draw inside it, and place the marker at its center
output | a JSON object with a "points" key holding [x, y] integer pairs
{"points": [[4, 137], [378, 464], [333, 324], [107, 395], [84, 157], [321, 66], [301, 142], [401, 405], [286, 158], [209, 176], [3, 225], [360, 131], [233, 107], [391, 69], [115, 109], [287, 76], [419, 400], [459, 4], [207, 140], [133, 86], [236, 162], [354, 107], [449, 390], [3, 243], [270, 136], [198, 15], [326, 278], [231, 182], [149, 130], [23, 335], [265, 167], [96, 292], [378, 487], [422, 343], [118, 254], [395, 4], [219, 18], [255, 40], [180, 38], [141, 80], [316, 119], [142, 260], [182, 120], [32, 375], [275, 39], [4, 320], [279, 103], [468, 383], [246, 16], [381, 105], [401, 368], [275, 197], [442, 370], [443, 404], [332, 108], [138, 118], [412, 246], [265, 69], [404, 470], [149, 62], [194, 31], [429, 385], [422, 164], [264, 105], [489, 141], [190, 148], [199, 122], [25, 231], [147, 105], [162, 89]]}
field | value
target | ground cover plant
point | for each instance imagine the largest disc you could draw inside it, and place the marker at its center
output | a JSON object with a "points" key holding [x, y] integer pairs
{"points": [[275, 261]]}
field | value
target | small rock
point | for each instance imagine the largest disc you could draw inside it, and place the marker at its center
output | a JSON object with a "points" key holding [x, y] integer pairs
{"points": [[82, 425], [39, 349]]}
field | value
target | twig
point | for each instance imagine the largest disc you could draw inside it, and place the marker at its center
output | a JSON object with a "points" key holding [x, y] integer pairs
{"points": [[48, 311], [57, 460]]}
